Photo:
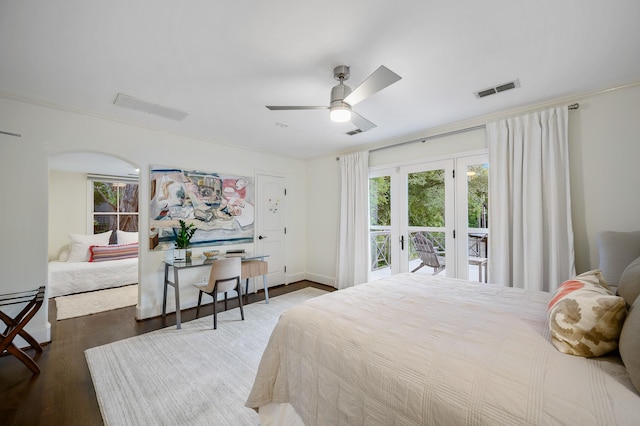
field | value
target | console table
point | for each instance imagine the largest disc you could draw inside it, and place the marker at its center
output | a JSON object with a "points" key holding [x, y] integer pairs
{"points": [[253, 265]]}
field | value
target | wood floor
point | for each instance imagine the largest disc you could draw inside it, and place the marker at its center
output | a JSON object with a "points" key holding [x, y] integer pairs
{"points": [[63, 394]]}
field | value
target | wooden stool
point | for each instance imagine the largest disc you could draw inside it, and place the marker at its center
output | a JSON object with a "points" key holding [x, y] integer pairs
{"points": [[15, 325]]}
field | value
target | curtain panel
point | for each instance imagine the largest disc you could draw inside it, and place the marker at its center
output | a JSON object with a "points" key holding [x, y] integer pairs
{"points": [[353, 257], [529, 200]]}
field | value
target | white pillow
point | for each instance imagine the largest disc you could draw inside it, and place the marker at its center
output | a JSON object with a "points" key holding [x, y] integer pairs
{"points": [[64, 255], [79, 249], [124, 237]]}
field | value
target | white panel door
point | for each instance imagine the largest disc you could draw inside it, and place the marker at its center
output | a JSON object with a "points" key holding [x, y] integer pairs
{"points": [[271, 225]]}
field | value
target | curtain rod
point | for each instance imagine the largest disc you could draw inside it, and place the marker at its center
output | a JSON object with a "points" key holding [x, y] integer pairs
{"points": [[440, 135]]}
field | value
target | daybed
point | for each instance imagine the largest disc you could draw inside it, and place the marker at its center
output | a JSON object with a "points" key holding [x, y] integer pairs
{"points": [[91, 263], [428, 350], [76, 277]]}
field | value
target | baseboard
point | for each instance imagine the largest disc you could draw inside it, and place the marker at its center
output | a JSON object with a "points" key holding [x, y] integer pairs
{"points": [[41, 334], [293, 278], [321, 279]]}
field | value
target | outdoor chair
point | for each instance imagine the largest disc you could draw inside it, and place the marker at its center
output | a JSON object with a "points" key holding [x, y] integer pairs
{"points": [[427, 254]]}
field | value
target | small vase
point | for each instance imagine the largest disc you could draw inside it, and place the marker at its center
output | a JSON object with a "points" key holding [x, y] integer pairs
{"points": [[188, 255], [179, 255]]}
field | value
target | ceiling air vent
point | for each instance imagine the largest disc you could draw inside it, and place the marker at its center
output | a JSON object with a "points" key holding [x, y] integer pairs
{"points": [[354, 132], [497, 89], [130, 102]]}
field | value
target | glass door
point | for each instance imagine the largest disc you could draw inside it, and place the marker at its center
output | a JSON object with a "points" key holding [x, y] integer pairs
{"points": [[472, 188], [446, 203], [381, 199], [427, 205]]}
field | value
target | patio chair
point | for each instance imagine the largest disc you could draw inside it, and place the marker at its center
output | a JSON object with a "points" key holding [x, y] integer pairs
{"points": [[427, 254]]}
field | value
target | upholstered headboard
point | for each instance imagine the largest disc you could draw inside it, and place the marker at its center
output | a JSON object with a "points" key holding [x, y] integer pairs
{"points": [[617, 250]]}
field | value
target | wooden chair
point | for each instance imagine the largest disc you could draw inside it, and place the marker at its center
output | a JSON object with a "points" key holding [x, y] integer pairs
{"points": [[15, 325], [427, 254], [225, 276]]}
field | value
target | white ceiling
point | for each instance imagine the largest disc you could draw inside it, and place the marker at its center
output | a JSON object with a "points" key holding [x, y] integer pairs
{"points": [[223, 61]]}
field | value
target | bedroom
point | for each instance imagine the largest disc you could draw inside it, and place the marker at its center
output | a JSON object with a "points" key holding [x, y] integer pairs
{"points": [[603, 139]]}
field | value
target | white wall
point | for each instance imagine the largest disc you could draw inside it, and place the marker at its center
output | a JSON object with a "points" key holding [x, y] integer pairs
{"points": [[604, 151], [604, 144], [47, 131], [67, 209]]}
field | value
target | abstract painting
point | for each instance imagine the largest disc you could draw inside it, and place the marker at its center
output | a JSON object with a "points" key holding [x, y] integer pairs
{"points": [[220, 206]]}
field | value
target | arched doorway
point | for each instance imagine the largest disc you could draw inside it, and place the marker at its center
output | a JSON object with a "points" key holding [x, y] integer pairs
{"points": [[90, 193]]}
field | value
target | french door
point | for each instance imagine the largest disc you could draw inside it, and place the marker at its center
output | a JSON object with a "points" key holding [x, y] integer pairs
{"points": [[446, 201]]}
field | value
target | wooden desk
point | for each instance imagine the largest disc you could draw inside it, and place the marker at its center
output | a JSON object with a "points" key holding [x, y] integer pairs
{"points": [[252, 266]]}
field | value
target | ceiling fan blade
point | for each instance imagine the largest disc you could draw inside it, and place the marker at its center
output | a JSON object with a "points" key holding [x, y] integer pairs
{"points": [[381, 78], [360, 122], [281, 108]]}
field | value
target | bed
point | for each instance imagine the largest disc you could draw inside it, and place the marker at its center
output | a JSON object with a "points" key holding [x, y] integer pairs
{"points": [[90, 263], [419, 350], [77, 277]]}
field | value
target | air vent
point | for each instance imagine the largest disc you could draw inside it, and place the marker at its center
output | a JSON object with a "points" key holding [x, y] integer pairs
{"points": [[497, 89], [130, 102], [354, 132]]}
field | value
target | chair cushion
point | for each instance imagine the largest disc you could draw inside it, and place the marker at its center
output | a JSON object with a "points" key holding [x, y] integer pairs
{"points": [[629, 285], [630, 343], [617, 250], [585, 317]]}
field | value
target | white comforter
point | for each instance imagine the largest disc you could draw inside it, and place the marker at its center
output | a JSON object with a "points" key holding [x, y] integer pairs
{"points": [[422, 350], [76, 277]]}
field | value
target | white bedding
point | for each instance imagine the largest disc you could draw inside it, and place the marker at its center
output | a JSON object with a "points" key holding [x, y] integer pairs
{"points": [[420, 350], [75, 277]]}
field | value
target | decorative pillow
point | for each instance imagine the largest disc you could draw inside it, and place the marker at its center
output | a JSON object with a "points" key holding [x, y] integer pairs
{"points": [[617, 250], [585, 317], [113, 252], [64, 255], [630, 343], [629, 285], [79, 249], [124, 237]]}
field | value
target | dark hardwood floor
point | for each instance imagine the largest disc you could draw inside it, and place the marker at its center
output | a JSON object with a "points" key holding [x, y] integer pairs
{"points": [[63, 394]]}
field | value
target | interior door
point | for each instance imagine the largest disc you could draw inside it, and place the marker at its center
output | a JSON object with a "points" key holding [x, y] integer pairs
{"points": [[271, 225]]}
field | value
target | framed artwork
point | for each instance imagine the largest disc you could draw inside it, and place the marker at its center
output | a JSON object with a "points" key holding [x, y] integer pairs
{"points": [[220, 206]]}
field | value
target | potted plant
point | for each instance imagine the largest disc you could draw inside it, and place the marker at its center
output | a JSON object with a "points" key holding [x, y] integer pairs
{"points": [[183, 238]]}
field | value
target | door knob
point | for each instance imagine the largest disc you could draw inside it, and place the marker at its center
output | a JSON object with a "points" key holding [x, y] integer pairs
{"points": [[261, 237]]}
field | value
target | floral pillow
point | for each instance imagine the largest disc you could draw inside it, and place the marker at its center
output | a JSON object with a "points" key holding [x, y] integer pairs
{"points": [[585, 317]]}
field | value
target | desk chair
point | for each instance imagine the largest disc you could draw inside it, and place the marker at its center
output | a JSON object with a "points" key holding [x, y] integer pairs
{"points": [[225, 276], [427, 254]]}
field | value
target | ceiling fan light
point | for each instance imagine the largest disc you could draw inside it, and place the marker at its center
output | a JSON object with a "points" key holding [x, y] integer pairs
{"points": [[340, 114]]}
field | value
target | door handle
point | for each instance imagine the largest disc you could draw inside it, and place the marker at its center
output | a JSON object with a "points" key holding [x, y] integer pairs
{"points": [[402, 242], [261, 237]]}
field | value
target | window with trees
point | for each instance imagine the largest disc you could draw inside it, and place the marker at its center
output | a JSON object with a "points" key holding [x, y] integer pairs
{"points": [[115, 206]]}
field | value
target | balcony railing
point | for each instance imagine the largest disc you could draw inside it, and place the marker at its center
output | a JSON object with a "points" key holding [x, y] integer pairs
{"points": [[381, 244]]}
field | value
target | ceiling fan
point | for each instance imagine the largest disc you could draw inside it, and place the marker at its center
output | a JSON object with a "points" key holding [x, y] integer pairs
{"points": [[343, 98]]}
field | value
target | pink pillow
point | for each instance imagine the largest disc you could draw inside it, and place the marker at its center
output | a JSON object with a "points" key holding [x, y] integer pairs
{"points": [[113, 252]]}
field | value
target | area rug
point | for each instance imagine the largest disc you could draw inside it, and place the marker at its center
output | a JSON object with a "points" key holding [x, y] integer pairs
{"points": [[76, 305], [192, 376]]}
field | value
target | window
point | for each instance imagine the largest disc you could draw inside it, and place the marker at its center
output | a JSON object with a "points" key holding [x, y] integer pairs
{"points": [[115, 205]]}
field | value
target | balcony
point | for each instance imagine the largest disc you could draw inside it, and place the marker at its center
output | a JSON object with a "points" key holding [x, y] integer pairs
{"points": [[381, 249]]}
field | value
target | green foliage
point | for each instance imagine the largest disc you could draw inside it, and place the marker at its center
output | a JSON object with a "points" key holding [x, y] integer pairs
{"points": [[425, 192], [184, 235]]}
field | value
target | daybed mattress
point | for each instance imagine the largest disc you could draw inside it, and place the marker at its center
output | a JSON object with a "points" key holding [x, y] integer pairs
{"points": [[422, 350], [75, 277]]}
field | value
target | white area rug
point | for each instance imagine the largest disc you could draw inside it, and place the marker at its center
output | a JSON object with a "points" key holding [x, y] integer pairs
{"points": [[193, 376], [76, 305]]}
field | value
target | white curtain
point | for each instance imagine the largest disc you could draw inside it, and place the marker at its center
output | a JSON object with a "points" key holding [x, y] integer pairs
{"points": [[352, 266], [531, 244]]}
